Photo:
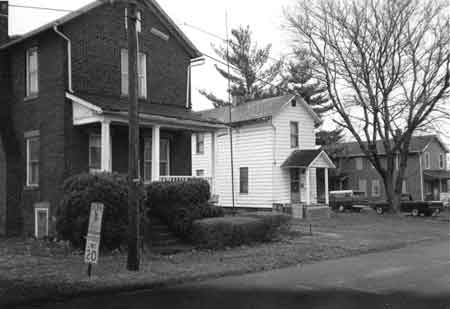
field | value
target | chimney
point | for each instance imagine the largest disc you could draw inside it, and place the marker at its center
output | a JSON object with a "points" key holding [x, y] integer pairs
{"points": [[4, 17]]}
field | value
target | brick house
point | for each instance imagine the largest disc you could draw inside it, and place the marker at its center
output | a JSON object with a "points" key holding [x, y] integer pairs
{"points": [[64, 106], [426, 176]]}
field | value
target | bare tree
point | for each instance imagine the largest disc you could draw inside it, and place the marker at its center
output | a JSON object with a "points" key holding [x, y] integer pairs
{"points": [[386, 67]]}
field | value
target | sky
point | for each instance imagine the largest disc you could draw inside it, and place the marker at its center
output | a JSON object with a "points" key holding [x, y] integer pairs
{"points": [[265, 18]]}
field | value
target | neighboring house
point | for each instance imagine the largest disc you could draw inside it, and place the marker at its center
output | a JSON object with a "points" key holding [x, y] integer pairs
{"points": [[275, 158], [64, 106], [426, 175]]}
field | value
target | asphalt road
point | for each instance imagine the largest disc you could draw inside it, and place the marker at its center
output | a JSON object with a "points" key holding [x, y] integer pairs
{"points": [[412, 277]]}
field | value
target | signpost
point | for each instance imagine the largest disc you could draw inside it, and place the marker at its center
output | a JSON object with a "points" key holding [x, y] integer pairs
{"points": [[93, 237]]}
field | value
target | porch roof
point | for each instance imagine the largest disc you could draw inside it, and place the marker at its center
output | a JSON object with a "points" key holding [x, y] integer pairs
{"points": [[437, 174], [90, 108], [314, 158]]}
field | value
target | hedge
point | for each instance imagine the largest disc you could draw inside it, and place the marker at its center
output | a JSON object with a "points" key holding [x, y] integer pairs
{"points": [[178, 204], [217, 233], [73, 212]]}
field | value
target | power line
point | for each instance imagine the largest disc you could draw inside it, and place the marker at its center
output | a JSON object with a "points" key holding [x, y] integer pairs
{"points": [[39, 8]]}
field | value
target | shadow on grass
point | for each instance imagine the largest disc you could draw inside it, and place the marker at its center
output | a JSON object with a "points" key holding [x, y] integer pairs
{"points": [[261, 299]]}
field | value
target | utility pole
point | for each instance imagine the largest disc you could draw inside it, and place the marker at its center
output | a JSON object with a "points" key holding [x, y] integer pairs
{"points": [[133, 141]]}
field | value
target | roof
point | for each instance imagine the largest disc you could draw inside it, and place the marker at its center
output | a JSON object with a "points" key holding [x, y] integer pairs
{"points": [[305, 158], [417, 144], [175, 30], [113, 104], [254, 110], [437, 174]]}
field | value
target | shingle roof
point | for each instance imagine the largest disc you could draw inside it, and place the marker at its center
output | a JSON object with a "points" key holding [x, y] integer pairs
{"points": [[301, 158], [252, 110], [418, 143], [114, 104]]}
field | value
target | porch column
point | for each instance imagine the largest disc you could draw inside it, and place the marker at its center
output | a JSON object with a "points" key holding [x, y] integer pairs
{"points": [[155, 152], [213, 162], [106, 162], [326, 187], [308, 187]]}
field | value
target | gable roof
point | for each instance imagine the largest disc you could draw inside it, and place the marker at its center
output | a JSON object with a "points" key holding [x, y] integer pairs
{"points": [[305, 158], [352, 149], [255, 110], [152, 4]]}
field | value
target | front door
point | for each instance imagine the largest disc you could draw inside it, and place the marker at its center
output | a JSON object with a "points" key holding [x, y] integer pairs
{"points": [[295, 185]]}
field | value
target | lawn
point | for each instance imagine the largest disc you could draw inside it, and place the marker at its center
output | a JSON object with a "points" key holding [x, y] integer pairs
{"points": [[32, 270]]}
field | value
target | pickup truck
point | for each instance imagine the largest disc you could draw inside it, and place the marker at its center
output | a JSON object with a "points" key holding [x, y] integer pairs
{"points": [[407, 204], [347, 200]]}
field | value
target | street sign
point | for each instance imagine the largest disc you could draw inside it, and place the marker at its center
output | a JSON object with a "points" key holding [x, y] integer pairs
{"points": [[94, 232]]}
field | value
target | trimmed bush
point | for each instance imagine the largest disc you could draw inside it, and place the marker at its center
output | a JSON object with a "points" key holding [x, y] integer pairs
{"points": [[73, 213], [180, 203], [216, 233]]}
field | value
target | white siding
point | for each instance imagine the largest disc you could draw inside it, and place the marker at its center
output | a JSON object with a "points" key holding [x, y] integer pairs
{"points": [[307, 140], [202, 161], [253, 149]]}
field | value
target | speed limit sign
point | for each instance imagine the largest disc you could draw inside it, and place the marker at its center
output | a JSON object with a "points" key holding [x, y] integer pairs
{"points": [[91, 252]]}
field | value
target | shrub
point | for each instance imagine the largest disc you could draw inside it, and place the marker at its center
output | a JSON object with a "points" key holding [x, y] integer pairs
{"points": [[180, 203], [215, 233], [73, 213]]}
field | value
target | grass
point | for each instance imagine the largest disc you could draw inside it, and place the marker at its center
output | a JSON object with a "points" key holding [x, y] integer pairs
{"points": [[35, 270]]}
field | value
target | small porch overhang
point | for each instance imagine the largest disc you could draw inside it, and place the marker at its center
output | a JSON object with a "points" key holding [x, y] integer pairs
{"points": [[308, 158], [437, 175]]}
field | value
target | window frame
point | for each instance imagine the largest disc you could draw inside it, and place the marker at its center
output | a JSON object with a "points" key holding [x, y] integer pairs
{"points": [[359, 163], [37, 161], [441, 161], [149, 141], [92, 168], [125, 72], [244, 182], [294, 136], [199, 141], [427, 159], [28, 73], [378, 193]]}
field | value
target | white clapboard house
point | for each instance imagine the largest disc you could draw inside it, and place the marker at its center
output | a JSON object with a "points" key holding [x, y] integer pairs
{"points": [[276, 160]]}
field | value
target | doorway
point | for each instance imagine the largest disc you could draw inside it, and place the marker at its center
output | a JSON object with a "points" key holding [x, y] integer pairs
{"points": [[295, 185]]}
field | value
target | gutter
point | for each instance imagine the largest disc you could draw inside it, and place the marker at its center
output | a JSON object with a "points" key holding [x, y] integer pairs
{"points": [[69, 56]]}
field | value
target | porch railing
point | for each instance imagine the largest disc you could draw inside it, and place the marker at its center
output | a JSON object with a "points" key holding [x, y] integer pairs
{"points": [[186, 178]]}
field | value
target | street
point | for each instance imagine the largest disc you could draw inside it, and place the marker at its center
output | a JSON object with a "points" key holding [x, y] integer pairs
{"points": [[412, 277]]}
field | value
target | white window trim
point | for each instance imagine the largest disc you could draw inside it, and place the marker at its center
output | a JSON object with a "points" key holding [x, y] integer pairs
{"points": [[124, 74], [28, 73], [427, 160], [168, 156], [377, 181], [147, 181], [197, 142], [28, 139], [36, 210], [94, 170], [297, 134], [441, 160], [149, 178], [142, 92]]}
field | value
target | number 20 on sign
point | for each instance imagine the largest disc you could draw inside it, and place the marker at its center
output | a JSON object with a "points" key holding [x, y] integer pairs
{"points": [[93, 238]]}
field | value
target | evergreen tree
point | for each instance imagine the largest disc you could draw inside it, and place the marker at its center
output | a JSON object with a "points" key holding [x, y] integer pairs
{"points": [[254, 74]]}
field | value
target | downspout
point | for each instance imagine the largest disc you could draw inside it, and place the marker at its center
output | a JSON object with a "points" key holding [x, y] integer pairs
{"points": [[69, 56]]}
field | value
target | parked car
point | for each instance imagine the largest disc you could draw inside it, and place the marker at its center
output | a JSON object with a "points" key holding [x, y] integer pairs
{"points": [[347, 200], [407, 204]]}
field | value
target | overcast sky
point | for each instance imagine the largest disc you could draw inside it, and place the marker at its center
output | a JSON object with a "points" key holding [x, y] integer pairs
{"points": [[264, 17]]}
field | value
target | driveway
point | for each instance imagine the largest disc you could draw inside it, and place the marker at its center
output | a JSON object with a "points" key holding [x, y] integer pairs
{"points": [[413, 277]]}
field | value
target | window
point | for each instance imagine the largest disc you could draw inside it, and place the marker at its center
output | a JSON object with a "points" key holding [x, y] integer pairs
{"points": [[142, 73], [200, 173], [243, 180], [294, 134], [33, 146], [376, 187], [32, 88], [404, 189], [427, 160], [138, 23], [200, 143], [164, 158], [397, 162], [95, 152], [40, 222], [359, 163], [362, 186], [441, 161]]}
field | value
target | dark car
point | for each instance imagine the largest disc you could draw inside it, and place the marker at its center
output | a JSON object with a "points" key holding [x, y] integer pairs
{"points": [[347, 200], [407, 204]]}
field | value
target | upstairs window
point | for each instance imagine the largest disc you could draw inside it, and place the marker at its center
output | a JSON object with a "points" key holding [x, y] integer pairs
{"points": [[32, 88], [138, 22], [427, 160], [33, 149], [441, 161], [359, 163], [200, 143], [142, 74], [294, 134], [95, 152]]}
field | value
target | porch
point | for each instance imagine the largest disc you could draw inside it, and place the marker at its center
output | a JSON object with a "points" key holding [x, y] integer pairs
{"points": [[164, 145], [436, 185]]}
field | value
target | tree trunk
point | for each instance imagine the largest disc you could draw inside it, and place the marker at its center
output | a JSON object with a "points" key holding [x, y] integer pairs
{"points": [[392, 197]]}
